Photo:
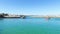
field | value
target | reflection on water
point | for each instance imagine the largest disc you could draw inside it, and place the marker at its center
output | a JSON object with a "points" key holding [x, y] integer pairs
{"points": [[1, 18], [1, 25]]}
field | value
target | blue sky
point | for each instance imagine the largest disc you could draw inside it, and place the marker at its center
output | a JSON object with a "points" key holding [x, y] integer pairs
{"points": [[30, 7]]}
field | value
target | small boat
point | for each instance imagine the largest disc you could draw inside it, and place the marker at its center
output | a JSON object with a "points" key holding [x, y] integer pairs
{"points": [[23, 17]]}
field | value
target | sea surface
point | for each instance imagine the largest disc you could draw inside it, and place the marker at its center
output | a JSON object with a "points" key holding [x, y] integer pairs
{"points": [[29, 26]]}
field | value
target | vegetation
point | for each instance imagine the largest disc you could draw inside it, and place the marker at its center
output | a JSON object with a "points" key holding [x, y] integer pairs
{"points": [[2, 15]]}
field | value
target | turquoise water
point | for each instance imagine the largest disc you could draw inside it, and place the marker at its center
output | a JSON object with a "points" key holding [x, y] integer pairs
{"points": [[30, 26]]}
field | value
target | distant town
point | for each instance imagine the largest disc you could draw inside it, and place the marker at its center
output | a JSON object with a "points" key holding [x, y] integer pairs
{"points": [[3, 15]]}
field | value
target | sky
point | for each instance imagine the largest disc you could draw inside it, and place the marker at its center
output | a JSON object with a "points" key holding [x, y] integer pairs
{"points": [[30, 7]]}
